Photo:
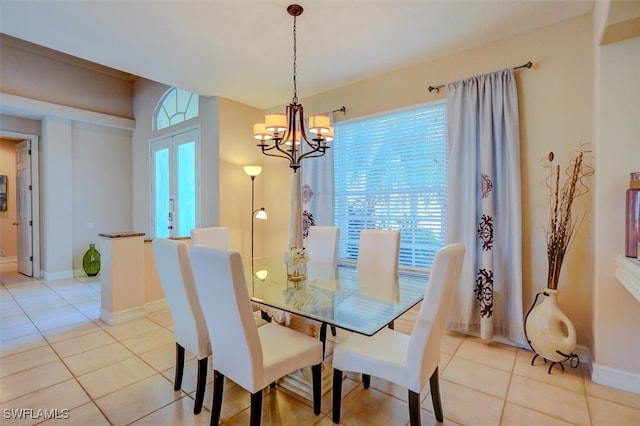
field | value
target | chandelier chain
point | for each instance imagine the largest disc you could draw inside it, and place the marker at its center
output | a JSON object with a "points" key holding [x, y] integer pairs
{"points": [[295, 73]]}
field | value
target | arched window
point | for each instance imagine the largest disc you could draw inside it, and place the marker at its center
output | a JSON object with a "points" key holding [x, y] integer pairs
{"points": [[176, 106]]}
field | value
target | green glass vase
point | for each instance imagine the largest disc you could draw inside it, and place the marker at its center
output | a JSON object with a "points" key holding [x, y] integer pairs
{"points": [[91, 261]]}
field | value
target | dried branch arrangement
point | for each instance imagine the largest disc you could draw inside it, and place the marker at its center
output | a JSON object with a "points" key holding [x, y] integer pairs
{"points": [[561, 223]]}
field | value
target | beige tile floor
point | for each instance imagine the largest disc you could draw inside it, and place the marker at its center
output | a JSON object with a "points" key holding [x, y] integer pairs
{"points": [[56, 353]]}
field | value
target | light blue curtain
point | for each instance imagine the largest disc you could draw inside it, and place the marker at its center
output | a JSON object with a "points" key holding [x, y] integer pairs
{"points": [[317, 192], [484, 208]]}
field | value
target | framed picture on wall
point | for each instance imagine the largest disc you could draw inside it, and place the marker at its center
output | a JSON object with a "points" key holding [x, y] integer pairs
{"points": [[3, 193]]}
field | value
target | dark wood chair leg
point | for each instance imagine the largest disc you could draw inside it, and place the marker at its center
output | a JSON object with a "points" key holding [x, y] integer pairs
{"points": [[366, 380], [218, 388], [316, 373], [434, 383], [201, 384], [337, 394], [323, 336], [256, 408], [414, 408], [177, 381], [265, 316]]}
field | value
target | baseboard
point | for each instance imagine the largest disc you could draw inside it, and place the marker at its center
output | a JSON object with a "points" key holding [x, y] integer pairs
{"points": [[156, 305], [616, 378], [52, 276], [9, 259], [112, 318]]}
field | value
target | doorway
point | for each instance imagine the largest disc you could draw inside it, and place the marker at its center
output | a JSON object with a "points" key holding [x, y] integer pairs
{"points": [[21, 222]]}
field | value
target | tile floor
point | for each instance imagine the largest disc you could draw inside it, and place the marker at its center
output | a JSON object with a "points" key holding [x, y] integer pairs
{"points": [[56, 354]]}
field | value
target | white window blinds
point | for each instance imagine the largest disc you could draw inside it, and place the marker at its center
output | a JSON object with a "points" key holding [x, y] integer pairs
{"points": [[391, 173]]}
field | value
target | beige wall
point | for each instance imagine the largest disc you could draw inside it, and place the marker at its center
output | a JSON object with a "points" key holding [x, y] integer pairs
{"points": [[616, 314], [237, 149], [556, 104], [8, 232], [101, 200], [37, 73]]}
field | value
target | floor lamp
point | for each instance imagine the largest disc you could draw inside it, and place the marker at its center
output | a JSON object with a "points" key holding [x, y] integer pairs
{"points": [[252, 172]]}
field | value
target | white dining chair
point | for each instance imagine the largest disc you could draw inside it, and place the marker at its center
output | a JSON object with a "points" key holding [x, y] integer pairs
{"points": [[406, 360], [378, 250], [253, 357], [321, 244], [213, 236], [189, 329]]}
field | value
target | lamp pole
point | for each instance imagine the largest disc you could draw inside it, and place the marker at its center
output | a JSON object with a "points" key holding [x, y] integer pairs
{"points": [[252, 172]]}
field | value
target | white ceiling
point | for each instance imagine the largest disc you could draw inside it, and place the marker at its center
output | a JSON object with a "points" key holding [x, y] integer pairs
{"points": [[243, 49]]}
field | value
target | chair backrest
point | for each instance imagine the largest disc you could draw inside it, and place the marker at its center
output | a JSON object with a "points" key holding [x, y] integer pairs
{"points": [[227, 311], [424, 344], [214, 236], [176, 278], [322, 244], [378, 250]]}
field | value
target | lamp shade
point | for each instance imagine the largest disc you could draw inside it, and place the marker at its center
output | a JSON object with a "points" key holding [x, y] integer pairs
{"points": [[319, 124], [252, 171], [275, 122], [328, 137], [260, 132]]}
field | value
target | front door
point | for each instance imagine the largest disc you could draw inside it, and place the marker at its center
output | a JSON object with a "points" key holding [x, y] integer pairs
{"points": [[23, 208], [174, 185]]}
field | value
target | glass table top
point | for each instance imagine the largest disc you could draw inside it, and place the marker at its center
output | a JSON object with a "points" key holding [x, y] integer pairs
{"points": [[362, 302]]}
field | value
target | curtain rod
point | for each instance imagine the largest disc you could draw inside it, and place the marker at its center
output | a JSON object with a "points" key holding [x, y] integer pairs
{"points": [[440, 86]]}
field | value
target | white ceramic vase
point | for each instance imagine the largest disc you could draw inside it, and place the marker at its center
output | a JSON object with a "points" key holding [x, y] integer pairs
{"points": [[549, 331]]}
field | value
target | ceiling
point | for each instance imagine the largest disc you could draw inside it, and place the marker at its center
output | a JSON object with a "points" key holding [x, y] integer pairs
{"points": [[243, 49]]}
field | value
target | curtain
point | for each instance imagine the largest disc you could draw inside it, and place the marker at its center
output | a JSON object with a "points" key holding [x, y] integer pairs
{"points": [[295, 220], [317, 191], [484, 205]]}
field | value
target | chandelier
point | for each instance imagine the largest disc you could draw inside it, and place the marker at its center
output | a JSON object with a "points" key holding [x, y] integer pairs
{"points": [[284, 135]]}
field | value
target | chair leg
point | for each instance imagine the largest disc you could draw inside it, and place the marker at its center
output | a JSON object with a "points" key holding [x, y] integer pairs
{"points": [[201, 384], [435, 395], [323, 337], [366, 380], [337, 394], [256, 408], [177, 381], [414, 408], [218, 388], [316, 372]]}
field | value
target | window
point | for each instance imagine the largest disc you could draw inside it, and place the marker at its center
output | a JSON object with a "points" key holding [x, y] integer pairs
{"points": [[390, 172], [176, 106]]}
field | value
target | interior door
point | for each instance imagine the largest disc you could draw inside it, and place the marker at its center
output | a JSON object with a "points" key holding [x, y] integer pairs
{"points": [[23, 208]]}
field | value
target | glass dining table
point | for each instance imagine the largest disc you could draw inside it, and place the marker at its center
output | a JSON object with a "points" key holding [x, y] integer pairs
{"points": [[357, 301]]}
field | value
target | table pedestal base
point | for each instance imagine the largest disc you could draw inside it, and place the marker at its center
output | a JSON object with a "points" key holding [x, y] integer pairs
{"points": [[300, 382]]}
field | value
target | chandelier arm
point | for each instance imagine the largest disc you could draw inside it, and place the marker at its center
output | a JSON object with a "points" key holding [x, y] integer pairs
{"points": [[313, 154], [280, 154], [285, 153]]}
